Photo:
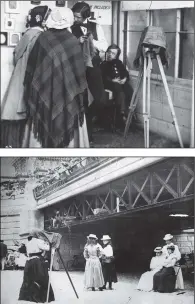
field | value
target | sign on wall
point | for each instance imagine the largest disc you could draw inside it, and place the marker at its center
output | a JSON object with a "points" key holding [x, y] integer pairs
{"points": [[102, 11], [154, 5]]}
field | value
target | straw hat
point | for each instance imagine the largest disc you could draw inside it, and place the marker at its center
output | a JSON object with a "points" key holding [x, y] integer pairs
{"points": [[158, 249], [106, 238], [60, 18], [167, 237], [92, 236]]}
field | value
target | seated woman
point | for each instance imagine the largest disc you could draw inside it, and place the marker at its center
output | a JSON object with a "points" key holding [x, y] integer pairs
{"points": [[146, 280], [116, 79], [164, 280]]}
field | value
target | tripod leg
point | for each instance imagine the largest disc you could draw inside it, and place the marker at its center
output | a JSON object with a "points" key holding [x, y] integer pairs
{"points": [[67, 273], [144, 100], [51, 265], [169, 100], [133, 103]]}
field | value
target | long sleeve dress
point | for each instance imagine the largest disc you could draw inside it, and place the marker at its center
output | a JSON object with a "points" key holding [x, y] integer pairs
{"points": [[146, 280], [13, 107], [36, 277], [165, 279], [108, 266], [93, 276], [179, 279]]}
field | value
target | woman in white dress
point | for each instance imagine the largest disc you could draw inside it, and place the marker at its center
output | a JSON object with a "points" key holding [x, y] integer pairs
{"points": [[93, 277], [146, 280]]}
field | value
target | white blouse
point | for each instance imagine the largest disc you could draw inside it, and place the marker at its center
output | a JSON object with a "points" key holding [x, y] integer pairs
{"points": [[170, 260], [176, 251], [157, 262], [36, 246], [108, 251]]}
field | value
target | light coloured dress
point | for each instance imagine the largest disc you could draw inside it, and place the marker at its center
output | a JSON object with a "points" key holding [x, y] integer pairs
{"points": [[13, 107], [146, 280], [93, 276]]}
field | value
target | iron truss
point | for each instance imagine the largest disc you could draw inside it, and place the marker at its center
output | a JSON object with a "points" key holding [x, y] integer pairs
{"points": [[155, 185]]}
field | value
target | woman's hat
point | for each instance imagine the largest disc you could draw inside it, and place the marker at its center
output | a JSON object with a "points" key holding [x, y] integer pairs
{"points": [[60, 18], [106, 238], [37, 15], [92, 236], [158, 249], [167, 237]]}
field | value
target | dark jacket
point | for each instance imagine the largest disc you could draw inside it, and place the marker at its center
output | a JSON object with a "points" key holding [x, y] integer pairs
{"points": [[3, 248], [113, 69]]}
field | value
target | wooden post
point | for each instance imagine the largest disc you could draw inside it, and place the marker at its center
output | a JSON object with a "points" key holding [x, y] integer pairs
{"points": [[125, 39], [192, 113], [177, 43], [169, 100]]}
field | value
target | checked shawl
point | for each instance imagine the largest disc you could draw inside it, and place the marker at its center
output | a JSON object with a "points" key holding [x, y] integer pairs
{"points": [[55, 81]]}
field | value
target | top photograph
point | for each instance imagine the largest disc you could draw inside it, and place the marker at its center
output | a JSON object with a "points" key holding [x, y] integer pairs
{"points": [[97, 74]]}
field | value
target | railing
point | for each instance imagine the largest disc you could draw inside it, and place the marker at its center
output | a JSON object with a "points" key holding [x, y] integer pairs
{"points": [[86, 165]]}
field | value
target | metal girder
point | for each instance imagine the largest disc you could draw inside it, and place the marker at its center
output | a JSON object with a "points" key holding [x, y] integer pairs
{"points": [[151, 190]]}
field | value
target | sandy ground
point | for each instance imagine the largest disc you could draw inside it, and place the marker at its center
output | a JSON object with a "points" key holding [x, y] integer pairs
{"points": [[124, 291]]}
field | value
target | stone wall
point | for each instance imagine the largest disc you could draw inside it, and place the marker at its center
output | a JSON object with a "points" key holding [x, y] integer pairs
{"points": [[185, 242]]}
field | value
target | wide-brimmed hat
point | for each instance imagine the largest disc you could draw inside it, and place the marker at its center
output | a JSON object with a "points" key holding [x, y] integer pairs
{"points": [[92, 236], [60, 18], [105, 238], [158, 249], [167, 237]]}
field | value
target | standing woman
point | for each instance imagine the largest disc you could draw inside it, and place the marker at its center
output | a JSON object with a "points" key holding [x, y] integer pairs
{"points": [[36, 277], [13, 108], [93, 277], [108, 266], [55, 82]]}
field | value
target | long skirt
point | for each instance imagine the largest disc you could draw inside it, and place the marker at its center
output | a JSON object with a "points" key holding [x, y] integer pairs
{"points": [[109, 272], [12, 132], [80, 139], [164, 280], [146, 280], [93, 276], [35, 282]]}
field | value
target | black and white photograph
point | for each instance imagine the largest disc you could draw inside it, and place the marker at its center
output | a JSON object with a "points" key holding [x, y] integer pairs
{"points": [[124, 77], [97, 229]]}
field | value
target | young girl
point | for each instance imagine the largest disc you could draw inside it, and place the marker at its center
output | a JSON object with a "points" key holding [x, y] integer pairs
{"points": [[107, 262]]}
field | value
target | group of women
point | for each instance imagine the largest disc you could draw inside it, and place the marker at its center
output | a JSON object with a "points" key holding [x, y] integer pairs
{"points": [[99, 269], [163, 275], [55, 65]]}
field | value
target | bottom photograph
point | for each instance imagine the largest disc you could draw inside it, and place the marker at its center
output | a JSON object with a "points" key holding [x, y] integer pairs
{"points": [[104, 229]]}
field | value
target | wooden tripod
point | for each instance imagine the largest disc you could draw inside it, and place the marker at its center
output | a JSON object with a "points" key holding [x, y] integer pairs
{"points": [[51, 265], [145, 75]]}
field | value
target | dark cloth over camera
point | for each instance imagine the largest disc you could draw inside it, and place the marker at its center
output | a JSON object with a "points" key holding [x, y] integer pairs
{"points": [[152, 37]]}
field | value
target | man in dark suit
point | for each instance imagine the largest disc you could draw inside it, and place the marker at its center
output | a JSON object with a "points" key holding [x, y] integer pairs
{"points": [[3, 251], [116, 79]]}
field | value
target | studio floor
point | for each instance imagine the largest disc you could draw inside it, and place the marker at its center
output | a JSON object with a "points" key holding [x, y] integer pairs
{"points": [[124, 291], [135, 139]]}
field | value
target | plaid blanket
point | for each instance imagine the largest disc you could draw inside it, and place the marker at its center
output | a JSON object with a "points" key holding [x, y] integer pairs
{"points": [[55, 81]]}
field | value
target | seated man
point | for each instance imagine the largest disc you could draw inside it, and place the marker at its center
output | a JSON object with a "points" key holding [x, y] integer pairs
{"points": [[116, 79]]}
